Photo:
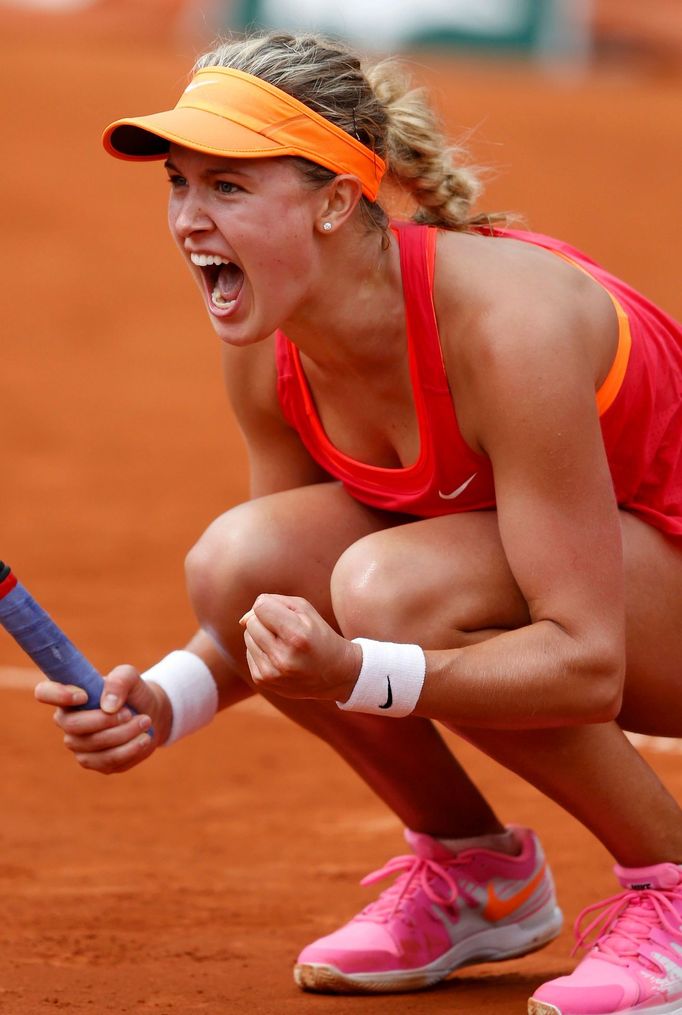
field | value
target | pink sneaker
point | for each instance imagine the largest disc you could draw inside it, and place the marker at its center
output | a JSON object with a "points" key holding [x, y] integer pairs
{"points": [[635, 964], [445, 910]]}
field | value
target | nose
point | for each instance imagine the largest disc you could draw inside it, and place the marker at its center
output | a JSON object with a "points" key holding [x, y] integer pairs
{"points": [[187, 215]]}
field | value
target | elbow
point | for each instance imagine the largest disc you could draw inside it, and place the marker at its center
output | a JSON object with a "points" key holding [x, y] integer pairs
{"points": [[603, 681]]}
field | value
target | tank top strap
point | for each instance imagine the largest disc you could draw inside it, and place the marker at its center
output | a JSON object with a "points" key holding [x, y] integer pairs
{"points": [[417, 264]]}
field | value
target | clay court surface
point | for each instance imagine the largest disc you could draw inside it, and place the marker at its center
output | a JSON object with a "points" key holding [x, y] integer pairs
{"points": [[190, 884]]}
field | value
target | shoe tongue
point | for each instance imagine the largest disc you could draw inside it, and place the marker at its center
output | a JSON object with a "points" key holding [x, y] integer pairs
{"points": [[426, 847], [661, 875]]}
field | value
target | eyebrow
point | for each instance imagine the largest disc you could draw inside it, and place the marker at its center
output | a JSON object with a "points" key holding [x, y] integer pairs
{"points": [[208, 172]]}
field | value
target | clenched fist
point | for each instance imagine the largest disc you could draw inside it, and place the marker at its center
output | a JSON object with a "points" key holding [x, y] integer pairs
{"points": [[292, 651]]}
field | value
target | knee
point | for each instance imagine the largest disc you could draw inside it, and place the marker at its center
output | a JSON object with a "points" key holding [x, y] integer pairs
{"points": [[382, 589], [373, 593], [226, 567]]}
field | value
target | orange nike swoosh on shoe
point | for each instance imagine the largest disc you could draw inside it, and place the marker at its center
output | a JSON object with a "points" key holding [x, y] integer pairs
{"points": [[497, 909]]}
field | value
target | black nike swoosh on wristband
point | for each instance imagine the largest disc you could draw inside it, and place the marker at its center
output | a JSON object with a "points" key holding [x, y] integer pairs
{"points": [[389, 699]]}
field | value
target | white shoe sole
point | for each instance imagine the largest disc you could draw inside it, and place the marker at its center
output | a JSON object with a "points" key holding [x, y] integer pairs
{"points": [[494, 945]]}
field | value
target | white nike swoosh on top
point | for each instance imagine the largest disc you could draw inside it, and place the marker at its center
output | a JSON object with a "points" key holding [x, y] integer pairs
{"points": [[200, 84], [459, 490]]}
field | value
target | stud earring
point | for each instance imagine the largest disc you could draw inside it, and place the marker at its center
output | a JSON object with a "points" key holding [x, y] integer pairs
{"points": [[327, 227]]}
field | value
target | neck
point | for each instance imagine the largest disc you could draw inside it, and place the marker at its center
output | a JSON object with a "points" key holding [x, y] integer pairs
{"points": [[355, 311]]}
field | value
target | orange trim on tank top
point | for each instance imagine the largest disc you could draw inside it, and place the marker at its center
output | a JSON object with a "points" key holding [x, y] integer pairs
{"points": [[612, 383]]}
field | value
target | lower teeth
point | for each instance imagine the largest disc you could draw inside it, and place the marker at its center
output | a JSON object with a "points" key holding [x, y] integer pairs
{"points": [[219, 300]]}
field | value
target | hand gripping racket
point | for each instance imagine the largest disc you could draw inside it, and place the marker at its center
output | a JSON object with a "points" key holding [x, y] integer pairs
{"points": [[49, 648]]}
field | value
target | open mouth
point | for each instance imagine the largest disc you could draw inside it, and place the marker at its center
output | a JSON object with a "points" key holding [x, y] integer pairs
{"points": [[223, 279]]}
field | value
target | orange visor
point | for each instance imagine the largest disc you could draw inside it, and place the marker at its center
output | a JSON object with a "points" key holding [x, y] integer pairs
{"points": [[228, 113]]}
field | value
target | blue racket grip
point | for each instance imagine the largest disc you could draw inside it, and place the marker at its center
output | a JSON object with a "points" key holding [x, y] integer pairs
{"points": [[49, 648]]}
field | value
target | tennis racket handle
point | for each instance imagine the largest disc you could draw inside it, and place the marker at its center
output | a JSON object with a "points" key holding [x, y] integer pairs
{"points": [[40, 638]]}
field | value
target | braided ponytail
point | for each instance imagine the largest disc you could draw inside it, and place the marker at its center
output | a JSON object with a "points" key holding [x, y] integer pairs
{"points": [[419, 159]]}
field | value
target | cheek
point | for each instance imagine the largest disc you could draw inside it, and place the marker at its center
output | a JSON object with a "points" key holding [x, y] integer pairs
{"points": [[284, 272], [291, 244], [171, 219]]}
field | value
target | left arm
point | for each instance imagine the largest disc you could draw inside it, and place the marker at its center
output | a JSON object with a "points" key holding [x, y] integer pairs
{"points": [[534, 414]]}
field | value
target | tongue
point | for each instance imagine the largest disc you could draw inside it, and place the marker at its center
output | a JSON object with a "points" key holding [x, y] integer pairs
{"points": [[229, 281]]}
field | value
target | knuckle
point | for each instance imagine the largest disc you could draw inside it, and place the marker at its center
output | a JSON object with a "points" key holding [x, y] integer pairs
{"points": [[270, 670], [299, 641], [280, 661]]}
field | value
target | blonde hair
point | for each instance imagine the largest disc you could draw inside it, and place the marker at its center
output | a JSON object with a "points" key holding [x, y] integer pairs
{"points": [[376, 106]]}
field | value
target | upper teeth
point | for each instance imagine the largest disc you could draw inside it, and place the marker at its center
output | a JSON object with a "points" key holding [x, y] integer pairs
{"points": [[202, 260]]}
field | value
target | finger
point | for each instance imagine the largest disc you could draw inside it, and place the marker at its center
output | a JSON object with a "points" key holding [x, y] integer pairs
{"points": [[125, 686], [89, 721], [259, 656], [270, 604], [114, 736], [261, 635], [291, 602], [294, 603], [63, 695], [117, 687], [254, 670], [268, 613], [275, 615], [117, 759]]}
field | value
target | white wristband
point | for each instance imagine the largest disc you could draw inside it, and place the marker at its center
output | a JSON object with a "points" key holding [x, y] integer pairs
{"points": [[190, 688], [390, 681]]}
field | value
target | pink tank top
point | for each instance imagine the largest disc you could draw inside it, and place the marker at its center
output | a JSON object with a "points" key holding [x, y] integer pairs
{"points": [[640, 405]]}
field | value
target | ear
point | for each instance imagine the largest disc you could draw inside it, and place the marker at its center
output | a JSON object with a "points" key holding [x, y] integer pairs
{"points": [[341, 197]]}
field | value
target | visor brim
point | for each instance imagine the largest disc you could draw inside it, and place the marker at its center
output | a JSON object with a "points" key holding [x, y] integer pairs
{"points": [[142, 138]]}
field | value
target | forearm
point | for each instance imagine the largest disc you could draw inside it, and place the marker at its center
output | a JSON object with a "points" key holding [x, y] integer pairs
{"points": [[231, 687], [535, 677]]}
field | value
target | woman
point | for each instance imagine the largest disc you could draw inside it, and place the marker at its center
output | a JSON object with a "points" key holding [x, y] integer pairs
{"points": [[502, 420]]}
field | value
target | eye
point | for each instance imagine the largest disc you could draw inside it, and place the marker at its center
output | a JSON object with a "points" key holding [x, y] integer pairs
{"points": [[226, 187], [176, 181]]}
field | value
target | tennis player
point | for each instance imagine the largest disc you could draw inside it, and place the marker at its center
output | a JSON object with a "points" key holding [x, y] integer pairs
{"points": [[465, 455]]}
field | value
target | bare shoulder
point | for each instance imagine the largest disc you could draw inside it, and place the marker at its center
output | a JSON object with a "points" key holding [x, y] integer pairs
{"points": [[483, 279], [515, 316], [504, 301]]}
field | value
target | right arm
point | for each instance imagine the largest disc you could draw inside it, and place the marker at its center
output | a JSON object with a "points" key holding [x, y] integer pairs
{"points": [[110, 739]]}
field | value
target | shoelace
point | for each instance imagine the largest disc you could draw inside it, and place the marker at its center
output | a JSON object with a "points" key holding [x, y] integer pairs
{"points": [[417, 873], [626, 921]]}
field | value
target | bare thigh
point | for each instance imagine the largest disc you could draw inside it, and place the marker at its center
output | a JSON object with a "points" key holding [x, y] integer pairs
{"points": [[289, 543], [447, 580], [286, 542], [653, 591]]}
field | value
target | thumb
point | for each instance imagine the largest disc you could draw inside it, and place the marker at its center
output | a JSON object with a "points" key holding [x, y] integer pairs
{"points": [[122, 685]]}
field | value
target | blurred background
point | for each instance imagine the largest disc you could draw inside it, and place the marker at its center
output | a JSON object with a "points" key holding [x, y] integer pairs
{"points": [[582, 30], [586, 30], [118, 448]]}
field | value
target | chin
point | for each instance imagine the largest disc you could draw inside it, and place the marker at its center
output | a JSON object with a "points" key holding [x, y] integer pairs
{"points": [[235, 336]]}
